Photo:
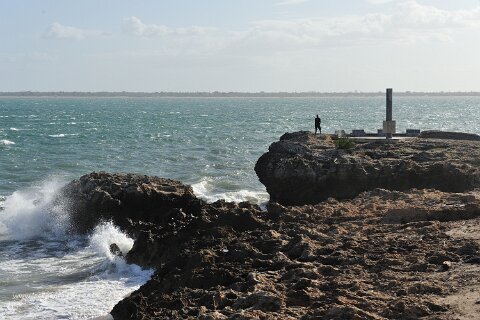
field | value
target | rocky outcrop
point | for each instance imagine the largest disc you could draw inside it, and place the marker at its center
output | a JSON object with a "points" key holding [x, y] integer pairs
{"points": [[435, 134], [159, 243], [303, 168], [383, 254], [126, 199], [367, 258]]}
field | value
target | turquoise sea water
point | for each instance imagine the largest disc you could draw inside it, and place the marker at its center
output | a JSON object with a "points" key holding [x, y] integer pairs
{"points": [[211, 143]]}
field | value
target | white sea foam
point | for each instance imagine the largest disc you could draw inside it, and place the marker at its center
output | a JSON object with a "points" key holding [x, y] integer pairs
{"points": [[6, 142], [203, 190], [105, 234], [82, 300], [17, 129], [103, 280], [75, 277], [30, 213], [62, 135]]}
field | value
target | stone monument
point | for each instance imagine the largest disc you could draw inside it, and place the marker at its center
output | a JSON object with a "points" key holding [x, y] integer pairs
{"points": [[389, 125]]}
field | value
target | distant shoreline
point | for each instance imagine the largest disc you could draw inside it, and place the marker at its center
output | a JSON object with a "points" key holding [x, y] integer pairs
{"points": [[216, 94]]}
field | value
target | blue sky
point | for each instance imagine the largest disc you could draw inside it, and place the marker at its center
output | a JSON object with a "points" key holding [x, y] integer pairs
{"points": [[243, 45]]}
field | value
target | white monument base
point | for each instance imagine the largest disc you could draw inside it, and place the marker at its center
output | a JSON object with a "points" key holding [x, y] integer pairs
{"points": [[389, 127]]}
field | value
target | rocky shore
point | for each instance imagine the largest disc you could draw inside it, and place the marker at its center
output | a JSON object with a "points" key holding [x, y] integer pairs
{"points": [[378, 231], [301, 168]]}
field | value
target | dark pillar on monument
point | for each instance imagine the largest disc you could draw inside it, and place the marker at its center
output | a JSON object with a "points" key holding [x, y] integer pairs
{"points": [[389, 104], [389, 125]]}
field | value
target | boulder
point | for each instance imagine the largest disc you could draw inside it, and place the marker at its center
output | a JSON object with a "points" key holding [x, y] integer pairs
{"points": [[125, 199], [303, 168]]}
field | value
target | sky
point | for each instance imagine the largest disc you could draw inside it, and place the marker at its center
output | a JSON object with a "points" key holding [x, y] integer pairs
{"points": [[240, 45]]}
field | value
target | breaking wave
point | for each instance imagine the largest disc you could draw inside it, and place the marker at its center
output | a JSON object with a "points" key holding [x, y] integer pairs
{"points": [[6, 142], [205, 189], [31, 213], [75, 276]]}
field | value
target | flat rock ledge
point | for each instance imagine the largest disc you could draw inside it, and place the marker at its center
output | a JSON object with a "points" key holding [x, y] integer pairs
{"points": [[303, 168]]}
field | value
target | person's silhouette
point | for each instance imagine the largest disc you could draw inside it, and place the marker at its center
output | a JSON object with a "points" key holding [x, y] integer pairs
{"points": [[318, 122]]}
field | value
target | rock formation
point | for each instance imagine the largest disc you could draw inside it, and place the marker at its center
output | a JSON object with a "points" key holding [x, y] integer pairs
{"points": [[302, 168], [126, 199], [435, 134], [394, 249], [371, 257]]}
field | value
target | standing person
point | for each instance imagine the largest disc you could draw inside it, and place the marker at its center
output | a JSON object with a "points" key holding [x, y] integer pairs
{"points": [[318, 122]]}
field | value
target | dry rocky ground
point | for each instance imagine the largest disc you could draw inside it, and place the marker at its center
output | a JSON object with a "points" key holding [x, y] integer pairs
{"points": [[334, 260]]}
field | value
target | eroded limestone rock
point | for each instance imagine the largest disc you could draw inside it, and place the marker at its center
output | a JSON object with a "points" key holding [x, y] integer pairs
{"points": [[126, 199], [303, 168]]}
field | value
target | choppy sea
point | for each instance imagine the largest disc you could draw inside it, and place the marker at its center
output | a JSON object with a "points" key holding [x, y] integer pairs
{"points": [[210, 143]]}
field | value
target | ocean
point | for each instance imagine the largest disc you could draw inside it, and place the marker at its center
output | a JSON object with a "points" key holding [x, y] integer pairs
{"points": [[210, 143]]}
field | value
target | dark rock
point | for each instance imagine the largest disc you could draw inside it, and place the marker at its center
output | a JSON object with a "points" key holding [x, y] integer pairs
{"points": [[473, 260], [333, 260], [302, 168], [125, 198], [471, 249], [264, 301], [434, 134], [376, 256], [115, 250]]}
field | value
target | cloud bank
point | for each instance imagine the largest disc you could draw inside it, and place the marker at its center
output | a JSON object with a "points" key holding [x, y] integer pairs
{"points": [[59, 31], [135, 27], [409, 22], [403, 23]]}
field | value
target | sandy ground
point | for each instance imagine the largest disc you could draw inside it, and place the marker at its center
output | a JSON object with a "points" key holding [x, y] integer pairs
{"points": [[465, 301]]}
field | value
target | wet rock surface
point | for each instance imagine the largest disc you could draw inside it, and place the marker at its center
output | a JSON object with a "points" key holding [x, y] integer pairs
{"points": [[366, 258], [303, 168], [126, 199]]}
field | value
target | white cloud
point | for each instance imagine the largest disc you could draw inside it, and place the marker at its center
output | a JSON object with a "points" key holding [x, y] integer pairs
{"points": [[412, 14], [134, 26], [401, 23], [59, 31], [406, 22], [290, 2]]}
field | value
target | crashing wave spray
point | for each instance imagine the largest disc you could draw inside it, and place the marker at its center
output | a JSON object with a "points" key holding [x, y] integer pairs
{"points": [[34, 212], [75, 276], [204, 190]]}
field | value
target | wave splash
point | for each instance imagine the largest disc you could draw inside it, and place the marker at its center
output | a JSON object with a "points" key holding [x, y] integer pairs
{"points": [[77, 277], [33, 212], [84, 282], [6, 142], [205, 190]]}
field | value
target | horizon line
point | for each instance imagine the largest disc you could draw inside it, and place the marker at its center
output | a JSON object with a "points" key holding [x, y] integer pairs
{"points": [[26, 93]]}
